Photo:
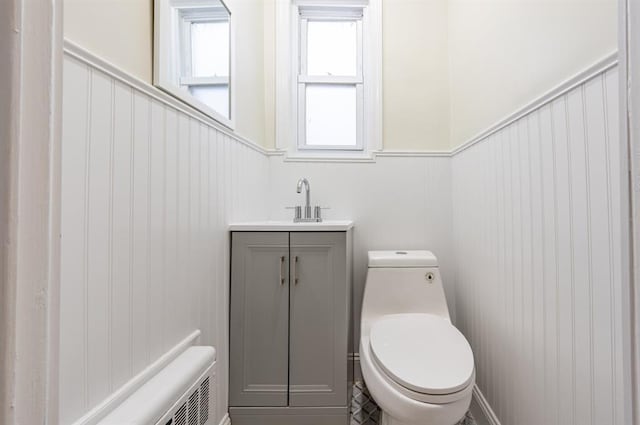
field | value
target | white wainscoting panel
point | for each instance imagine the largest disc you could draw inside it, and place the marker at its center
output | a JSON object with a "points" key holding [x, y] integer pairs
{"points": [[147, 192], [396, 203], [538, 260], [525, 224]]}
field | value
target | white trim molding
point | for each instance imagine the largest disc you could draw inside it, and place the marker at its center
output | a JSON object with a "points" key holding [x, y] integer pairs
{"points": [[84, 56], [30, 137], [598, 68], [226, 420], [121, 394], [370, 157], [412, 154], [484, 405], [629, 31], [91, 59], [283, 123], [282, 120]]}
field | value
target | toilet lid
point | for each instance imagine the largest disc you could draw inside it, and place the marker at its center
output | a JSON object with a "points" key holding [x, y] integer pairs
{"points": [[422, 352]]}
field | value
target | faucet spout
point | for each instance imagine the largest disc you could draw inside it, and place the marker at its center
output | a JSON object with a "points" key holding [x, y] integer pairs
{"points": [[306, 217], [307, 208], [304, 182]]}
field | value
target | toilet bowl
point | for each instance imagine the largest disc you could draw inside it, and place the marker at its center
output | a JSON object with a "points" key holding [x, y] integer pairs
{"points": [[417, 366]]}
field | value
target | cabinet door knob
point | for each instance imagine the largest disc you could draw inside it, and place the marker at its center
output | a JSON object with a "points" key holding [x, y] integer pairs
{"points": [[282, 259]]}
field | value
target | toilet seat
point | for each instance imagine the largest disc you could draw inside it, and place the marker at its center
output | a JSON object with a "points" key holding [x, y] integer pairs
{"points": [[423, 355]]}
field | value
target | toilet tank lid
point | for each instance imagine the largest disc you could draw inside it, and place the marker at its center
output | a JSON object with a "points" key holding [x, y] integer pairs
{"points": [[400, 258]]}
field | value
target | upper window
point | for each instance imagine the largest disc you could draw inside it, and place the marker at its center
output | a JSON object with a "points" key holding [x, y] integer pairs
{"points": [[193, 56], [204, 62], [330, 79]]}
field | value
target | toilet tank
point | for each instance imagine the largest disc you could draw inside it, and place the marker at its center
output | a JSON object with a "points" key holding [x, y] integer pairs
{"points": [[402, 282]]}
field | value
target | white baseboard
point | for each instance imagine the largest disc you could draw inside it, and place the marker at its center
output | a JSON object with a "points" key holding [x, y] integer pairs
{"points": [[116, 398], [489, 415], [226, 420]]}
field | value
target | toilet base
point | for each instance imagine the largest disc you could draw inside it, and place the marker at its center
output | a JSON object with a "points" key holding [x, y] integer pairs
{"points": [[386, 419]]}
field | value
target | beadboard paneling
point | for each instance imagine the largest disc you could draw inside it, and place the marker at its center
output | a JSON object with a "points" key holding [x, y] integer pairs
{"points": [[147, 192], [395, 202], [530, 248], [537, 242]]}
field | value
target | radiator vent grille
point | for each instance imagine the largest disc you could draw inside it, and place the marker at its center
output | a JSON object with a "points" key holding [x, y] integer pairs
{"points": [[193, 408], [194, 411], [181, 415], [204, 401]]}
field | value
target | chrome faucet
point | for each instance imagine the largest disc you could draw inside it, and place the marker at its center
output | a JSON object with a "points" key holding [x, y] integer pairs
{"points": [[307, 217], [307, 207]]}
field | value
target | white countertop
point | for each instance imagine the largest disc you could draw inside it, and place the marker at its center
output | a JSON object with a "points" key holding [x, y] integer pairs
{"points": [[290, 226]]}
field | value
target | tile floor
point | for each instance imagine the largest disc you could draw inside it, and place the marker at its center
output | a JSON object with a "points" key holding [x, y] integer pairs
{"points": [[365, 411]]}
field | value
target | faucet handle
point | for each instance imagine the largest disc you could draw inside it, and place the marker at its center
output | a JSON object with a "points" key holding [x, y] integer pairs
{"points": [[297, 215], [317, 212]]}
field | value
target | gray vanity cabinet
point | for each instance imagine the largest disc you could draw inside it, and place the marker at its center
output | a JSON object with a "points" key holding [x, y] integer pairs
{"points": [[289, 327], [259, 335], [319, 325]]}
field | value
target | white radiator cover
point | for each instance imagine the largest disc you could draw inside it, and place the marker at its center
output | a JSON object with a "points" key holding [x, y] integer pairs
{"points": [[183, 393]]}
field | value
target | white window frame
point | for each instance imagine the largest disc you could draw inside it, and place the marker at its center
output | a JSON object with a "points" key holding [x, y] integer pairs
{"points": [[289, 79], [186, 18], [167, 68], [304, 80]]}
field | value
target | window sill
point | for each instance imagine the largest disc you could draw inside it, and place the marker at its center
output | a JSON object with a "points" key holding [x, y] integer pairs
{"points": [[324, 156]]}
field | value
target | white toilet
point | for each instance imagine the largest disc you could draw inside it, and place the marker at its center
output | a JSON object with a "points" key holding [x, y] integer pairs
{"points": [[418, 367]]}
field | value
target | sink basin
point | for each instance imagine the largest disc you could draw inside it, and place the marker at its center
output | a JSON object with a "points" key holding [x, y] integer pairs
{"points": [[290, 226]]}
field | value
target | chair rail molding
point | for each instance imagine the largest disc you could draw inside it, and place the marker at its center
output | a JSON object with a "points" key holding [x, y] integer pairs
{"points": [[603, 65], [81, 54]]}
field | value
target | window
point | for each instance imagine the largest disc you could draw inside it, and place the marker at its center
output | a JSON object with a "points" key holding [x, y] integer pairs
{"points": [[204, 61], [193, 55], [330, 79]]}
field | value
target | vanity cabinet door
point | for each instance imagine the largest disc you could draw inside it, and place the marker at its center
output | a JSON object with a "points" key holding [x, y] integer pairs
{"points": [[319, 319], [259, 319]]}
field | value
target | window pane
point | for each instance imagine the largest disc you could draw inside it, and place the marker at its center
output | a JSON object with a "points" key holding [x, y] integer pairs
{"points": [[332, 48], [331, 117], [216, 97], [210, 49]]}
